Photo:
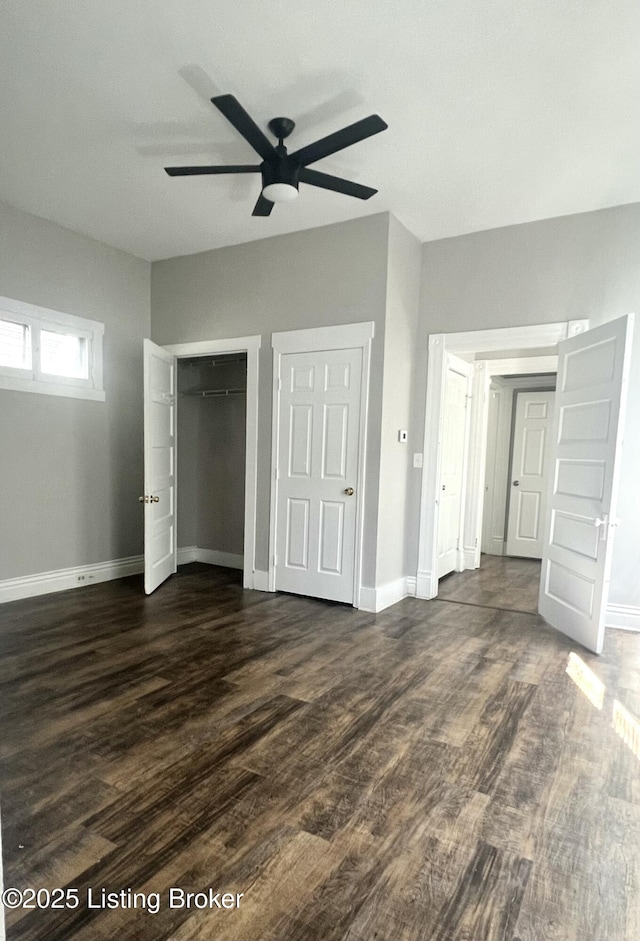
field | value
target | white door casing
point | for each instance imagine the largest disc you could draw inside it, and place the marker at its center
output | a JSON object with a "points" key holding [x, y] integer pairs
{"points": [[528, 482], [585, 464], [454, 442], [504, 338], [160, 552], [318, 472]]}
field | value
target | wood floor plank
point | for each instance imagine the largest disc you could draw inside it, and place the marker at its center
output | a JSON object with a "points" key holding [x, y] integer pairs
{"points": [[487, 900], [440, 771]]}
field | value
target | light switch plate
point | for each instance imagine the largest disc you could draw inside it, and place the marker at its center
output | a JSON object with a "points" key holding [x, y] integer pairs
{"points": [[402, 437]]}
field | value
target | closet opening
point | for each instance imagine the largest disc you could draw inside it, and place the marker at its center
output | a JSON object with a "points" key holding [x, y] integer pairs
{"points": [[211, 460]]}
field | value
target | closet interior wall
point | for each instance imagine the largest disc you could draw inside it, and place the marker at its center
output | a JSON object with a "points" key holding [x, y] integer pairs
{"points": [[211, 459]]}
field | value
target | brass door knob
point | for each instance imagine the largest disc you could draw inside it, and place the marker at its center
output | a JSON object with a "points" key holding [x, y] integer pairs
{"points": [[154, 499], [516, 483], [349, 491], [143, 499]]}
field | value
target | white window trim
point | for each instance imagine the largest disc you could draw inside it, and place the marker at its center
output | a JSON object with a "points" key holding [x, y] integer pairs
{"points": [[32, 380]]}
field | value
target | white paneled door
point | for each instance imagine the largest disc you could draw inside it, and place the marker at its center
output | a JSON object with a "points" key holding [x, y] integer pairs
{"points": [[160, 554], [317, 473], [529, 467], [454, 434], [585, 463]]}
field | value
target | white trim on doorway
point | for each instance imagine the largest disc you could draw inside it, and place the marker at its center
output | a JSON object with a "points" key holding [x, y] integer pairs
{"points": [[250, 346], [534, 336], [340, 337]]}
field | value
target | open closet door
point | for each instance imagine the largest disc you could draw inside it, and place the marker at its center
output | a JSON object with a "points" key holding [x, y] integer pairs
{"points": [[160, 554], [585, 463]]}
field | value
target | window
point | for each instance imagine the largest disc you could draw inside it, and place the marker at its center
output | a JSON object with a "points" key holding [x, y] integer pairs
{"points": [[15, 345], [47, 351]]}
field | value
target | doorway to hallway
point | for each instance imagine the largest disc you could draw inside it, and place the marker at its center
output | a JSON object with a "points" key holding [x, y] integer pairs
{"points": [[508, 584]]}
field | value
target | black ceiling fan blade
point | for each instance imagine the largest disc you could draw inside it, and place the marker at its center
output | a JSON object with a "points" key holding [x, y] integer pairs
{"points": [[235, 113], [197, 171], [327, 182], [263, 207], [340, 139]]}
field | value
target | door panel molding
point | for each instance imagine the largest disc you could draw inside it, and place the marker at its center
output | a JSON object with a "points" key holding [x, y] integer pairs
{"points": [[588, 425], [160, 540], [339, 337], [454, 464]]}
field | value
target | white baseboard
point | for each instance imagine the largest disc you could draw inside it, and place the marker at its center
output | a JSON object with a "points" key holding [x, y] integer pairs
{"points": [[377, 599], [186, 554], [426, 585], [469, 556], [229, 560], [260, 581], [367, 599], [625, 617], [28, 586]]}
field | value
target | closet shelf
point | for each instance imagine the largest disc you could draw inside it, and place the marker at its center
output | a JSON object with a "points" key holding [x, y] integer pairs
{"points": [[210, 392]]}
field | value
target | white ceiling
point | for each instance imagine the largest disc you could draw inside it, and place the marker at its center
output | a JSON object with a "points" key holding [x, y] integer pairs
{"points": [[499, 111]]}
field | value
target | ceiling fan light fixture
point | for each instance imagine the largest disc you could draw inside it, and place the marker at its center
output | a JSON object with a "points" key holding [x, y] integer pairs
{"points": [[280, 192]]}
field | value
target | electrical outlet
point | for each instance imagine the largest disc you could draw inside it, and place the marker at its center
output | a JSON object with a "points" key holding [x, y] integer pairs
{"points": [[417, 460]]}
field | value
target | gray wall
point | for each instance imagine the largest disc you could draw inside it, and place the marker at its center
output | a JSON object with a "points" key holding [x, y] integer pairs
{"points": [[188, 496], [396, 471], [326, 276], [561, 269], [221, 467], [71, 470]]}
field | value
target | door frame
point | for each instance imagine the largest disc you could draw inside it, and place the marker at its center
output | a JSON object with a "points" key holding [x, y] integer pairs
{"points": [[251, 346], [340, 337], [534, 336]]}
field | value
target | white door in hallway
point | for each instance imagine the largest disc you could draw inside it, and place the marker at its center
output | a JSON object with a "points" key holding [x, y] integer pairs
{"points": [[454, 434], [317, 473], [585, 451], [160, 553], [528, 481]]}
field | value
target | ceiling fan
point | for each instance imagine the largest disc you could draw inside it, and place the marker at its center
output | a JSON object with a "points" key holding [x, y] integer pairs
{"points": [[281, 171]]}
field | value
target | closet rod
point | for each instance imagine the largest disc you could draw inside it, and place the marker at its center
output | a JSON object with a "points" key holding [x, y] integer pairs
{"points": [[212, 392]]}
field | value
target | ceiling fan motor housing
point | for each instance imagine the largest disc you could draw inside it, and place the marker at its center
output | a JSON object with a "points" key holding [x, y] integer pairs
{"points": [[282, 170]]}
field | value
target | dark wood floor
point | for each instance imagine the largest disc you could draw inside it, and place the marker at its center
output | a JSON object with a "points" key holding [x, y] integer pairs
{"points": [[431, 772], [500, 582]]}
